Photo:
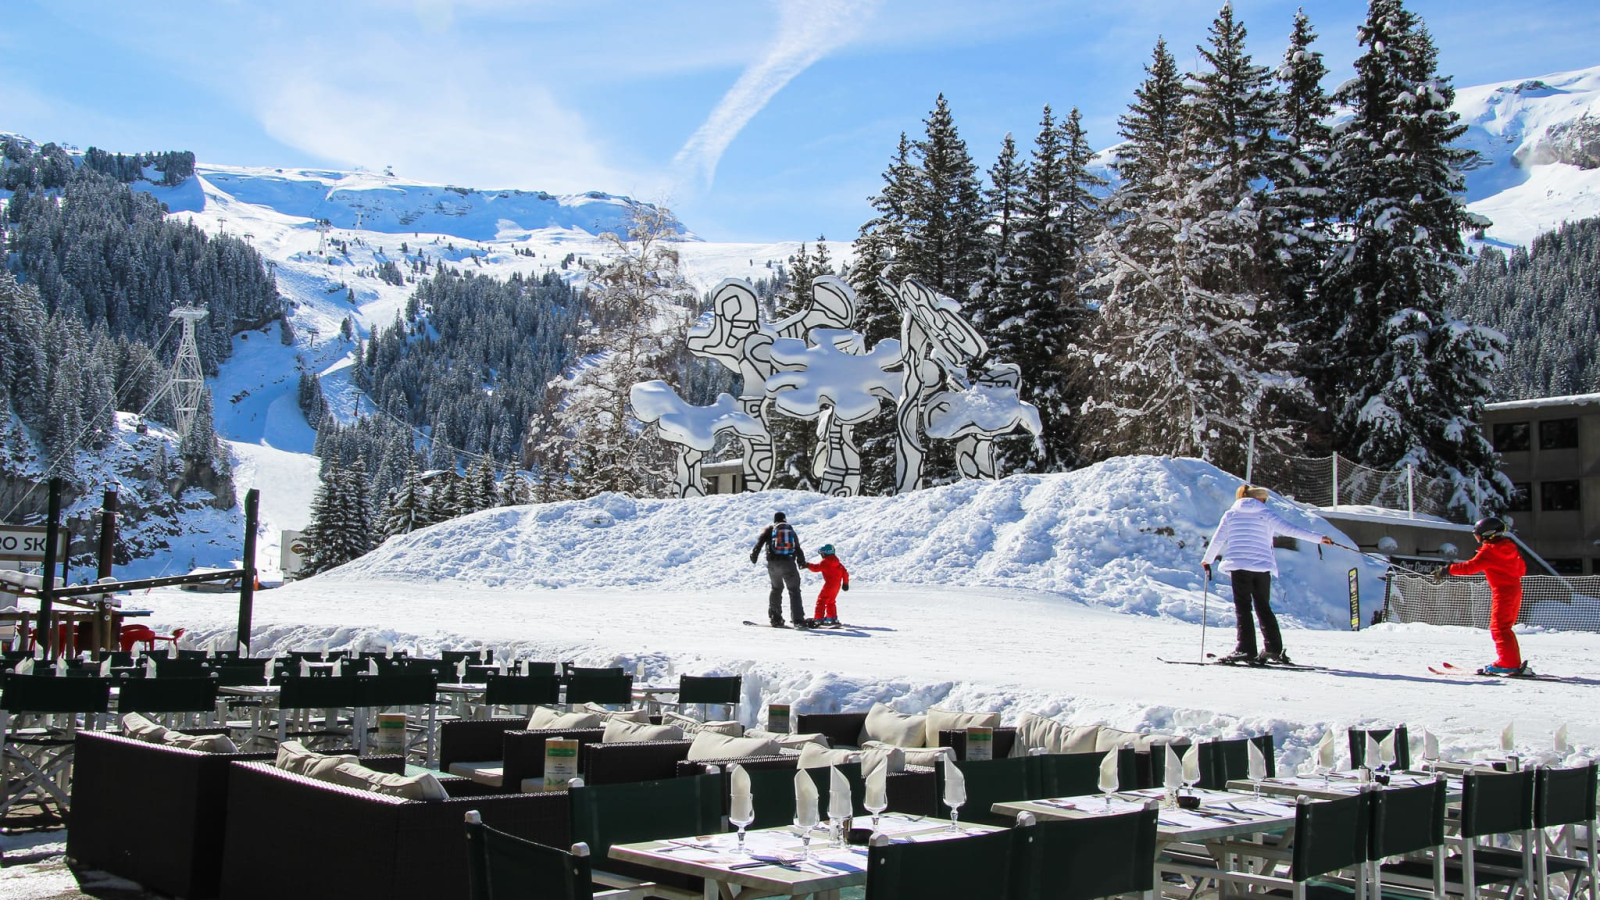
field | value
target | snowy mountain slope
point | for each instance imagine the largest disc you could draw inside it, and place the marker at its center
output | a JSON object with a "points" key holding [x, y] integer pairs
{"points": [[1530, 134], [1126, 535]]}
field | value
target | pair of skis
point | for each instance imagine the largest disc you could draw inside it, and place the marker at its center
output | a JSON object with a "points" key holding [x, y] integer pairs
{"points": [[1455, 671], [1213, 660]]}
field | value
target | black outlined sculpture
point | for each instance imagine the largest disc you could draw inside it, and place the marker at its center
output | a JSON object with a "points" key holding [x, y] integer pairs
{"points": [[810, 366], [693, 429], [839, 384]]}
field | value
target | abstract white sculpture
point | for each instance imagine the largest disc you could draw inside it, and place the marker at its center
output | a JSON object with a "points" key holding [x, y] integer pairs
{"points": [[838, 383], [810, 366], [693, 428]]}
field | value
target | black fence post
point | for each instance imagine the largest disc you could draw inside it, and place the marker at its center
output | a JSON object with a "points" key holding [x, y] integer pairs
{"points": [[247, 584], [46, 632]]}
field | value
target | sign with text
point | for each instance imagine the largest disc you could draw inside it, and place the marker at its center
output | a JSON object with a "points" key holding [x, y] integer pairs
{"points": [[26, 543], [980, 742], [560, 763], [778, 718]]}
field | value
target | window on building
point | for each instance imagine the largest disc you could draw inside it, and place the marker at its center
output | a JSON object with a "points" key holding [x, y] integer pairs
{"points": [[1558, 496], [1521, 499], [1572, 566], [1510, 437], [1558, 434]]}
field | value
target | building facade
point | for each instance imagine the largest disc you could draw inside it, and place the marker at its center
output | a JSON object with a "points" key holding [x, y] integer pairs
{"points": [[1550, 449]]}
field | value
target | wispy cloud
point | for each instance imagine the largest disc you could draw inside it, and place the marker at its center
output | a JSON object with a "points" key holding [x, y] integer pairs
{"points": [[807, 31]]}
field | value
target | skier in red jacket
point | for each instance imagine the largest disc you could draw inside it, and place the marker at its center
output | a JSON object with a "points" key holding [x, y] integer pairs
{"points": [[835, 577], [1501, 563]]}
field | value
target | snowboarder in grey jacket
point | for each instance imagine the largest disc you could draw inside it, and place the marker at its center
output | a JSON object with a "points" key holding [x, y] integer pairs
{"points": [[1244, 541], [784, 560]]}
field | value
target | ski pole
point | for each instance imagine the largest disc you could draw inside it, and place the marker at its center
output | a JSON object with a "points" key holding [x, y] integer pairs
{"points": [[1205, 606]]}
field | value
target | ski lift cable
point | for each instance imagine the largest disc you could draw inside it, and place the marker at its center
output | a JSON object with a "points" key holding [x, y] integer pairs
{"points": [[72, 446]]}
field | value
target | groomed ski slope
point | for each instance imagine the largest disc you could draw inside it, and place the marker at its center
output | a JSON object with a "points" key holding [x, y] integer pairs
{"points": [[1052, 594]]}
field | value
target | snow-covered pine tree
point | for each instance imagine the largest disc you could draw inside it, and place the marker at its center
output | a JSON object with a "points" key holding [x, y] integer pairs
{"points": [[515, 490], [878, 248], [1183, 366], [341, 520], [944, 232], [1002, 199], [1301, 205], [1411, 379], [483, 492], [406, 511]]}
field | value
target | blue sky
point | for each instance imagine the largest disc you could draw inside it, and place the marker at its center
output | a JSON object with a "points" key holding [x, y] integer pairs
{"points": [[753, 120]]}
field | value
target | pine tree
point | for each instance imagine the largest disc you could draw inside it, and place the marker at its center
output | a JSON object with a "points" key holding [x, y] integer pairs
{"points": [[1411, 380], [1003, 199], [341, 520], [878, 251], [405, 512], [944, 231], [1184, 364]]}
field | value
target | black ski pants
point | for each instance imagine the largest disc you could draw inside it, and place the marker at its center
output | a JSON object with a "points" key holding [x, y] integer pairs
{"points": [[1254, 589], [784, 574]]}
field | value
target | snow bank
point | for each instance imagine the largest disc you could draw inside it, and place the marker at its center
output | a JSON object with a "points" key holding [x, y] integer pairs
{"points": [[1126, 534]]}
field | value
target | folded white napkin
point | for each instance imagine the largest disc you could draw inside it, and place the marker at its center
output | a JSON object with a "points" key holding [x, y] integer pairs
{"points": [[955, 785], [1173, 778], [1258, 762], [805, 799], [1108, 773], [741, 807], [839, 806]]}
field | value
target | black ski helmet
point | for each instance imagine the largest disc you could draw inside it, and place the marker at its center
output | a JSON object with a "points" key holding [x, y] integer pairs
{"points": [[1490, 527]]}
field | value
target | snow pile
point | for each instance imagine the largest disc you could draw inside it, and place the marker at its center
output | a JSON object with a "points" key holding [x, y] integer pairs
{"points": [[1126, 534], [1527, 133]]}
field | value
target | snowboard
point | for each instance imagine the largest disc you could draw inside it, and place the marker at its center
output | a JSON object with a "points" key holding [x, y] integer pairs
{"points": [[823, 629]]}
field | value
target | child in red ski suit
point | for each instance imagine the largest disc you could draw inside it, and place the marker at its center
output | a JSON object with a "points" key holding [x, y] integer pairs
{"points": [[835, 577], [1501, 563]]}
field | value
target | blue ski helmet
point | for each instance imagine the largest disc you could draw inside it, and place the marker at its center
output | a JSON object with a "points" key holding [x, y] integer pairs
{"points": [[827, 550]]}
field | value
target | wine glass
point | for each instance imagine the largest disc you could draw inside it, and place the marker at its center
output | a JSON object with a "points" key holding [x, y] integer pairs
{"points": [[742, 823], [876, 810], [955, 815], [804, 829]]}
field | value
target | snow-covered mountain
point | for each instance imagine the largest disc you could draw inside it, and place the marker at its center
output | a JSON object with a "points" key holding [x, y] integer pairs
{"points": [[1540, 142]]}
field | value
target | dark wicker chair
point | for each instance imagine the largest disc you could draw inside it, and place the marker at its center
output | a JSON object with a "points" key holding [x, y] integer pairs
{"points": [[523, 752], [841, 729], [603, 763], [290, 836], [156, 814], [1004, 740]]}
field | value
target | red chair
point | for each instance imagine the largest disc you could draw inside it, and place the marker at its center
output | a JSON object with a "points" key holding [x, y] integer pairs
{"points": [[141, 634]]}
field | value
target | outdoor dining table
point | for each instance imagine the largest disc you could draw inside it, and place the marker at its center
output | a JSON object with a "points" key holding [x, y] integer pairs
{"points": [[772, 866], [1216, 828], [461, 694], [1339, 784], [260, 726]]}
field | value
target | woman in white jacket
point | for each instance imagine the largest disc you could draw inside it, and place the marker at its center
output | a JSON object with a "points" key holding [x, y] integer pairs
{"points": [[1244, 541]]}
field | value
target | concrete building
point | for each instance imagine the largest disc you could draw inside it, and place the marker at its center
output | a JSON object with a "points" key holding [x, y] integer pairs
{"points": [[1550, 449]]}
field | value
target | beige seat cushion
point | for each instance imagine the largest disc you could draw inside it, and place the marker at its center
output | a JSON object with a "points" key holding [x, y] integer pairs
{"points": [[140, 728], [425, 786], [710, 745], [642, 716], [490, 771], [1037, 732], [1116, 739], [545, 718], [815, 757], [890, 727], [293, 757], [623, 731], [895, 757], [206, 743], [789, 741], [695, 726], [950, 720], [914, 756]]}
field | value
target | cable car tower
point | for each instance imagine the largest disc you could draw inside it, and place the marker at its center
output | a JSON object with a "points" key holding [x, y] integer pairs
{"points": [[186, 383]]}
